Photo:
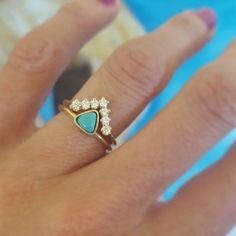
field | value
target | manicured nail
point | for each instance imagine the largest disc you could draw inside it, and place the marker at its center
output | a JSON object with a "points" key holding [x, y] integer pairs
{"points": [[108, 2], [208, 16]]}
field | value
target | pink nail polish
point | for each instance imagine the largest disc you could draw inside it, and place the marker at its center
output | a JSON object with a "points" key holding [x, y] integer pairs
{"points": [[208, 16], [108, 2]]}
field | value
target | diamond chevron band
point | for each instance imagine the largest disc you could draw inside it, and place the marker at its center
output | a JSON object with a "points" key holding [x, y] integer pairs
{"points": [[92, 117]]}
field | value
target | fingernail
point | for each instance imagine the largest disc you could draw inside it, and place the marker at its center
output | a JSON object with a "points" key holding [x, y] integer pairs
{"points": [[208, 16], [108, 2]]}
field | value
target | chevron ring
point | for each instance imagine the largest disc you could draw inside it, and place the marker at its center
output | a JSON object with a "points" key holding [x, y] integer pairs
{"points": [[92, 118]]}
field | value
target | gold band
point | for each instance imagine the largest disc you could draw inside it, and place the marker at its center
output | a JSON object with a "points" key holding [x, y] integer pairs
{"points": [[108, 141]]}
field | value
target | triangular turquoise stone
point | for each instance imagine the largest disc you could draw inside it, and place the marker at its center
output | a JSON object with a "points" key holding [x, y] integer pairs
{"points": [[87, 121]]}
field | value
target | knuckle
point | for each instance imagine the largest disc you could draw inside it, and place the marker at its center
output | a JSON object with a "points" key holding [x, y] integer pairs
{"points": [[134, 69], [184, 19], [34, 56], [216, 91], [73, 10], [90, 222], [188, 22], [96, 222]]}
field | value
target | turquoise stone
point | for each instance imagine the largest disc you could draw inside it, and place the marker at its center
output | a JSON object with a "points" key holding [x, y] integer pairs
{"points": [[87, 121]]}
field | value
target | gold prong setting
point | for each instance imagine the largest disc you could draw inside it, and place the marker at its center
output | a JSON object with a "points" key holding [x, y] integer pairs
{"points": [[75, 105], [101, 106]]}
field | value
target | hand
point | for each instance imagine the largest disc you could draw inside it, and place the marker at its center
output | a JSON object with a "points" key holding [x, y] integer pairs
{"points": [[53, 181]]}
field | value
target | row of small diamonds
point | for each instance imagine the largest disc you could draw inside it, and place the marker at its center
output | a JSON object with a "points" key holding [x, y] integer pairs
{"points": [[106, 128], [76, 106]]}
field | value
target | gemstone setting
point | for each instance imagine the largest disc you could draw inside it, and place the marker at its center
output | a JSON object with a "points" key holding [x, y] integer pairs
{"points": [[85, 104], [103, 103], [75, 105], [94, 103], [88, 121], [106, 120], [105, 111], [89, 114], [106, 130]]}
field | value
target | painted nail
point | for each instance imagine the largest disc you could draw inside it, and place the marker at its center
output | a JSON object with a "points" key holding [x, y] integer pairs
{"points": [[108, 2], [208, 16]]}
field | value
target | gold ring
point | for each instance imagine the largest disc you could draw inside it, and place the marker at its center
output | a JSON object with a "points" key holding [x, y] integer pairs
{"points": [[93, 118]]}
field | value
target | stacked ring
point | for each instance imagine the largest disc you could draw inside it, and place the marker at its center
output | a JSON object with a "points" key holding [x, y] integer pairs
{"points": [[92, 117]]}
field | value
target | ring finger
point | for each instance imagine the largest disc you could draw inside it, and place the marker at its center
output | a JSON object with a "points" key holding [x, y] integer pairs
{"points": [[130, 79]]}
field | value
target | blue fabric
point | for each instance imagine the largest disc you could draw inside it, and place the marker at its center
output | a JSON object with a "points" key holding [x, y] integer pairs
{"points": [[48, 111], [153, 13]]}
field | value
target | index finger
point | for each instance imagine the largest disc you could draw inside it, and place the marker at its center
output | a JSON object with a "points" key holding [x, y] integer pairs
{"points": [[40, 57]]}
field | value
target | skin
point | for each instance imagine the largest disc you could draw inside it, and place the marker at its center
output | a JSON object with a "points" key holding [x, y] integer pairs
{"points": [[54, 182]]}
